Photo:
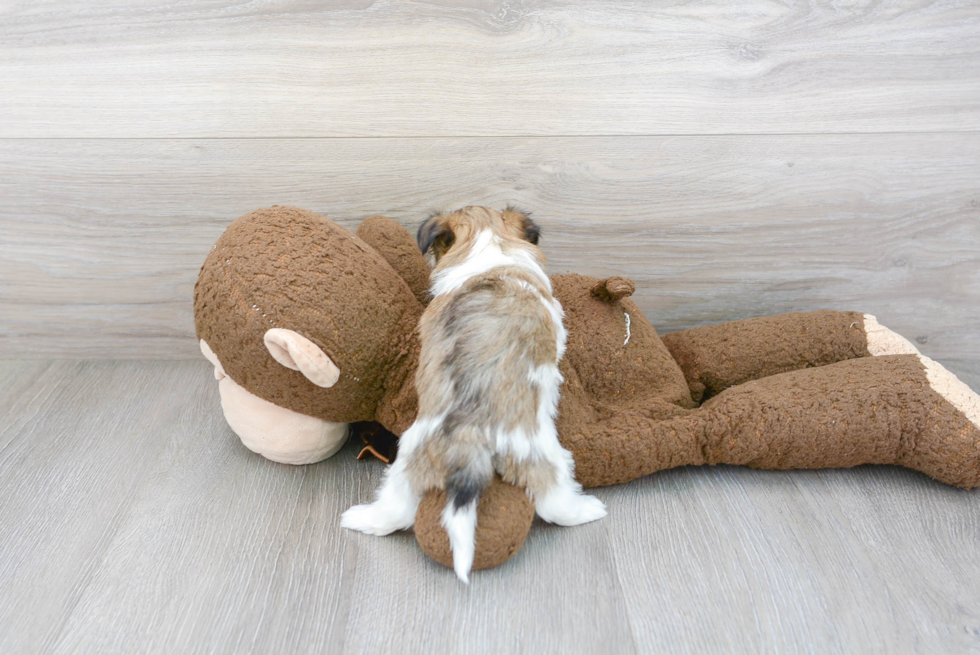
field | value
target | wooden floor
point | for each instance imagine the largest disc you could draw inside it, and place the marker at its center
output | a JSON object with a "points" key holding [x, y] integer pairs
{"points": [[734, 158], [132, 520]]}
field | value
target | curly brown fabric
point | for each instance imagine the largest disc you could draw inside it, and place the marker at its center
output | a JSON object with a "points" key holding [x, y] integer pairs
{"points": [[503, 519], [291, 268]]}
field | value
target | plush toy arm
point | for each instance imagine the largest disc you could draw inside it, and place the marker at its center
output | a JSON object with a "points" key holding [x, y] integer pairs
{"points": [[396, 245], [716, 357]]}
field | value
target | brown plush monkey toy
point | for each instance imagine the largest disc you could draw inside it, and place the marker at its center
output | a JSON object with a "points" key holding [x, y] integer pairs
{"points": [[311, 328]]}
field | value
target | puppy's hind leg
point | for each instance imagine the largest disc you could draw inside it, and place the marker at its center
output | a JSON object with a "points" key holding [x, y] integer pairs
{"points": [[394, 508], [558, 498], [397, 499]]}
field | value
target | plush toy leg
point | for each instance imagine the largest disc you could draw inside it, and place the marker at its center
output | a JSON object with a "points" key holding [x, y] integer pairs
{"points": [[716, 357], [627, 445], [890, 409]]}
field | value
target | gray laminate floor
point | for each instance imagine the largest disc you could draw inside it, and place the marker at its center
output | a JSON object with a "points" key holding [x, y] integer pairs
{"points": [[132, 520]]}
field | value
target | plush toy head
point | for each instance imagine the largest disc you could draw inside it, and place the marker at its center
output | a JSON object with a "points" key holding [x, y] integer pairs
{"points": [[309, 329]]}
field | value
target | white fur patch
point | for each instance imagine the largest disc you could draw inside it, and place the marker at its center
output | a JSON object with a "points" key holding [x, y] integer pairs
{"points": [[565, 504], [543, 444], [485, 254], [558, 315], [418, 432], [393, 509], [882, 341], [548, 379], [626, 314], [516, 443], [954, 390]]}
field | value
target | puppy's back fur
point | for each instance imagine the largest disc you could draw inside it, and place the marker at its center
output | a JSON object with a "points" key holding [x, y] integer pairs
{"points": [[484, 347]]}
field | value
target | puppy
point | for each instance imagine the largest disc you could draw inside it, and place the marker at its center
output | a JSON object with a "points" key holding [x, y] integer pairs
{"points": [[488, 385]]}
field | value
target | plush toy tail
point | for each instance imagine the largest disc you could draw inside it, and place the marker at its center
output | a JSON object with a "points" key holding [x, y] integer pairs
{"points": [[463, 489]]}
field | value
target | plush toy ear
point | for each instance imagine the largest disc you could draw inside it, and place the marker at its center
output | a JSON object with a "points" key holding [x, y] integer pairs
{"points": [[293, 350]]}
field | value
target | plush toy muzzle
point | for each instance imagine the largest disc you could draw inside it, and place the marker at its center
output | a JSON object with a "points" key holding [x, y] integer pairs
{"points": [[274, 432]]}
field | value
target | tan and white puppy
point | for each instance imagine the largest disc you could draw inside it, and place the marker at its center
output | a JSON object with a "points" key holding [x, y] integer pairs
{"points": [[488, 385]]}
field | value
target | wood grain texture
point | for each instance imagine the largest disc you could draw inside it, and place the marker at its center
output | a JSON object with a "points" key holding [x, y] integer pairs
{"points": [[734, 159], [101, 241], [76, 441], [132, 520], [135, 68]]}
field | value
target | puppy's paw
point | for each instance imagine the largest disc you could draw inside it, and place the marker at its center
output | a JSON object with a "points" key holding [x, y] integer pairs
{"points": [[586, 509], [568, 508], [373, 519]]}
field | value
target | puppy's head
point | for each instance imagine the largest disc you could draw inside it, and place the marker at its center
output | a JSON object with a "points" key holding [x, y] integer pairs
{"points": [[453, 233]]}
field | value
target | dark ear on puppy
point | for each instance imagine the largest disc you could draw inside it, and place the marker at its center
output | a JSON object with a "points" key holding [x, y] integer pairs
{"points": [[531, 231], [521, 219], [436, 234]]}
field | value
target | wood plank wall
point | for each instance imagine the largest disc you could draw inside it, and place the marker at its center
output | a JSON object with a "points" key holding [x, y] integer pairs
{"points": [[734, 159]]}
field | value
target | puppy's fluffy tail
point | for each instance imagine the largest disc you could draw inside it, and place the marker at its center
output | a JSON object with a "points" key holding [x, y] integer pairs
{"points": [[463, 489]]}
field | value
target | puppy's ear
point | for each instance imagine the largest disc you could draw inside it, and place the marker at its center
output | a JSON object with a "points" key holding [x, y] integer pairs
{"points": [[436, 234], [521, 220], [531, 230]]}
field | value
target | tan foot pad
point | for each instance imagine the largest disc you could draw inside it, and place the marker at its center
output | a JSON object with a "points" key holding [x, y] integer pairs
{"points": [[954, 390], [882, 341]]}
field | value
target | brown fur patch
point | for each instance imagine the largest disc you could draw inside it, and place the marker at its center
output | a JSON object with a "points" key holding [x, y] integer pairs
{"points": [[535, 475]]}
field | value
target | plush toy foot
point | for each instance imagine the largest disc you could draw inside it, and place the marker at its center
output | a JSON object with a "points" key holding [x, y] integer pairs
{"points": [[565, 506], [503, 520], [950, 444], [883, 342], [948, 448]]}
